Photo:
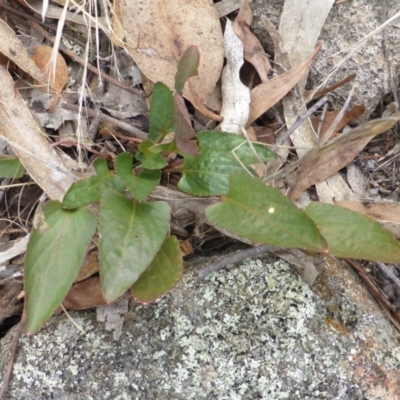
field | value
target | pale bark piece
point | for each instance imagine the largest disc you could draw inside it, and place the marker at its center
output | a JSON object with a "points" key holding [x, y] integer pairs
{"points": [[23, 134], [159, 32], [13, 48], [388, 214], [253, 50], [322, 162], [235, 95], [300, 26]]}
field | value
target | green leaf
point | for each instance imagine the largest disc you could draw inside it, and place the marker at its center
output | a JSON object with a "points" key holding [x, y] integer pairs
{"points": [[350, 234], [131, 233], [140, 184], [87, 191], [162, 274], [221, 154], [187, 67], [161, 112], [263, 214], [148, 158], [54, 256], [11, 167]]}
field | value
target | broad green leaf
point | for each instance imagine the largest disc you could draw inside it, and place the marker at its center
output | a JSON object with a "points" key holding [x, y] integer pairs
{"points": [[161, 112], [350, 234], [11, 167], [55, 252], [263, 214], [187, 67], [221, 154], [148, 158], [131, 233], [140, 184], [162, 274], [87, 191]]}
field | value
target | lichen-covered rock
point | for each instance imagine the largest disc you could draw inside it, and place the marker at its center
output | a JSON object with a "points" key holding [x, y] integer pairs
{"points": [[256, 331]]}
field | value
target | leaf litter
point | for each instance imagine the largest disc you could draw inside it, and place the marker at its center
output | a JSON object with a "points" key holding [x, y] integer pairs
{"points": [[156, 41]]}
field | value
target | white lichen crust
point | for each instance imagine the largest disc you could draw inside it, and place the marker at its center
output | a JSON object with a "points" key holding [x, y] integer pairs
{"points": [[251, 332]]}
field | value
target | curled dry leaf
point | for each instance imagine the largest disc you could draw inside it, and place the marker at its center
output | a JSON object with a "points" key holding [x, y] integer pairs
{"points": [[253, 50], [43, 59], [235, 95], [322, 162], [160, 31]]}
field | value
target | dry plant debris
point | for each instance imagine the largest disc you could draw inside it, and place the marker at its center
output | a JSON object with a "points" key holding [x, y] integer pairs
{"points": [[131, 99]]}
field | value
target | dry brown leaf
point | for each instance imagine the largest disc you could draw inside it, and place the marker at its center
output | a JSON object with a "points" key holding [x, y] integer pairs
{"points": [[85, 294], [253, 50], [185, 247], [387, 214], [266, 95], [23, 134], [89, 267], [160, 31], [322, 162], [356, 112], [42, 57]]}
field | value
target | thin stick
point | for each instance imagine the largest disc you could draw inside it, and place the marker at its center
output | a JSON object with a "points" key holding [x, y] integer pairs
{"points": [[235, 258], [13, 354], [88, 112], [321, 120], [299, 121]]}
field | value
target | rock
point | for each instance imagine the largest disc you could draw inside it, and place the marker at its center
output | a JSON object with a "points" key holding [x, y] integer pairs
{"points": [[256, 331], [347, 24]]}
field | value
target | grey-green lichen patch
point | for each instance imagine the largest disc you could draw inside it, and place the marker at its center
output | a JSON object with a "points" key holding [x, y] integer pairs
{"points": [[250, 332]]}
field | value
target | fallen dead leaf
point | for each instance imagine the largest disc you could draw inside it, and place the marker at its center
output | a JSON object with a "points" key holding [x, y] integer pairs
{"points": [[160, 31], [85, 294], [267, 94], [322, 162], [253, 50], [356, 112], [42, 57]]}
